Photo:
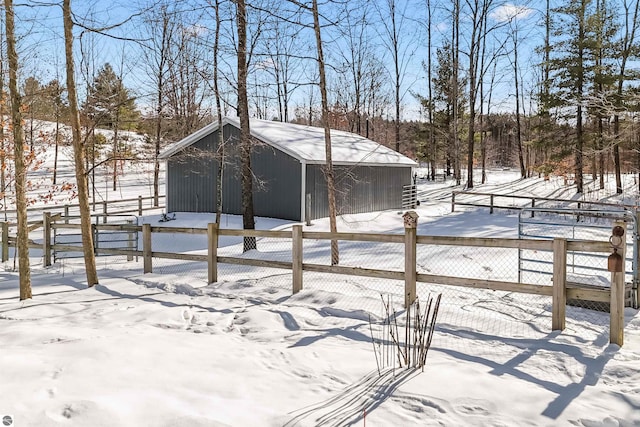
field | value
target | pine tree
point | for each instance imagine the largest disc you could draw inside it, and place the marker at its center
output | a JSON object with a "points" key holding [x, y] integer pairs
{"points": [[109, 103], [571, 69]]}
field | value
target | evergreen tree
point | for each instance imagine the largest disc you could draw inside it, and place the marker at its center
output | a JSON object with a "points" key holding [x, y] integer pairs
{"points": [[109, 103], [572, 68]]}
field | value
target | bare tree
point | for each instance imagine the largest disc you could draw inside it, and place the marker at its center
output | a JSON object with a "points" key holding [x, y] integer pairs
{"points": [[628, 48], [401, 49], [248, 220], [432, 134], [285, 64], [79, 150], [477, 17], [18, 144], [455, 46], [216, 92], [329, 173], [188, 75], [161, 27], [3, 147], [516, 70]]}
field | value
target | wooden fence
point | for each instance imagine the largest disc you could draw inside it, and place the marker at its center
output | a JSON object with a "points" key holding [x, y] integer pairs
{"points": [[488, 200], [102, 209], [560, 291]]}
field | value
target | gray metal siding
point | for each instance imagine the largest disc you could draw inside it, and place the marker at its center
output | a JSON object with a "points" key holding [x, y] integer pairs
{"points": [[191, 179], [231, 188], [277, 187], [358, 189]]}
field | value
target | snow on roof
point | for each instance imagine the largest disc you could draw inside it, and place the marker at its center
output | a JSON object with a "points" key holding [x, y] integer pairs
{"points": [[306, 143]]}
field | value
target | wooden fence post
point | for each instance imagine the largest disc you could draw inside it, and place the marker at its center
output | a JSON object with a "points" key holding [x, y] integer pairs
{"points": [[616, 310], [410, 255], [212, 253], [66, 214], [296, 257], [104, 211], [5, 242], [453, 201], [491, 204], [559, 284], [46, 238], [139, 205], [146, 248]]}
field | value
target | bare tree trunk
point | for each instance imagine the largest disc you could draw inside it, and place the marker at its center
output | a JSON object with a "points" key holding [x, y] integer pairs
{"points": [[580, 88], [116, 149], [18, 143], [329, 174], [79, 149], [221, 159], [523, 172], [473, 66], [456, 55], [599, 151], [57, 146], [483, 142], [3, 155], [628, 43], [248, 221], [432, 131], [159, 64], [397, 76]]}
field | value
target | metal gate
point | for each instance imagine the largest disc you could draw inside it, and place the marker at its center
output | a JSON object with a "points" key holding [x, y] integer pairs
{"points": [[409, 196], [576, 224], [102, 238]]}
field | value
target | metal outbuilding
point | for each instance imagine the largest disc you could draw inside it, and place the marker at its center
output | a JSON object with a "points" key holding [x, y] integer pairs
{"points": [[287, 163]]}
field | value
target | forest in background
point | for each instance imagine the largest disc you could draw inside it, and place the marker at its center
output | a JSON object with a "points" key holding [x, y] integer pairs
{"points": [[548, 87]]}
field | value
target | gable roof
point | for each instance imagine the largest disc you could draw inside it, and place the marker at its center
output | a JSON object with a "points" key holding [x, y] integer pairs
{"points": [[306, 144]]}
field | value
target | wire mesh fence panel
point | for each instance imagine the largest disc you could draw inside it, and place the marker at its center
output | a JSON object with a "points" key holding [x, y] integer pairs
{"points": [[242, 276], [486, 315], [197, 271], [353, 292], [264, 249], [468, 262], [357, 254]]}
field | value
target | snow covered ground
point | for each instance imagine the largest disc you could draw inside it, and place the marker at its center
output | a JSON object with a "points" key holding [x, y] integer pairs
{"points": [[166, 349]]}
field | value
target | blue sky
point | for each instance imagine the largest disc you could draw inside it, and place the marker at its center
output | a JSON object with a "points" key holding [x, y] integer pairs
{"points": [[41, 45]]}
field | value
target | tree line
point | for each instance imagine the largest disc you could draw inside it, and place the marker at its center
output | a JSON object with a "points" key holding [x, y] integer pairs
{"points": [[548, 87]]}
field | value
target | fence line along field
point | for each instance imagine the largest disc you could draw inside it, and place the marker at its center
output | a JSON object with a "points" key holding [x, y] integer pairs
{"points": [[283, 332]]}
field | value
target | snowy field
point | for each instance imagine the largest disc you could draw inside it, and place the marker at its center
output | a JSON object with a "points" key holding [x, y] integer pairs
{"points": [[166, 349]]}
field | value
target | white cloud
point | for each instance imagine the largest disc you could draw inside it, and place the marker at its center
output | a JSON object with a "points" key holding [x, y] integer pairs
{"points": [[510, 12]]}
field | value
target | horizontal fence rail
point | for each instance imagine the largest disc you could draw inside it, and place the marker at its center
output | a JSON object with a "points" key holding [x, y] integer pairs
{"points": [[491, 201], [107, 208], [293, 258]]}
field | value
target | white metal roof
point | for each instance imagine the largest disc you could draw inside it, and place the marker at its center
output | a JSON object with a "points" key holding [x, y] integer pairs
{"points": [[306, 143]]}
